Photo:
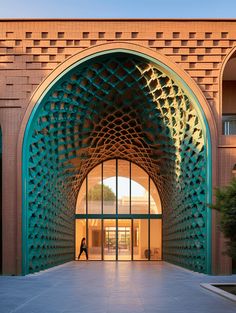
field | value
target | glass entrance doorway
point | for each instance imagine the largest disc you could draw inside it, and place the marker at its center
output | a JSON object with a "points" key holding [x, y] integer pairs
{"points": [[119, 213], [120, 239], [109, 239], [117, 240], [124, 239]]}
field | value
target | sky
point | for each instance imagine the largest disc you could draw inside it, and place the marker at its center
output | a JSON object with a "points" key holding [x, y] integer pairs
{"points": [[118, 9]]}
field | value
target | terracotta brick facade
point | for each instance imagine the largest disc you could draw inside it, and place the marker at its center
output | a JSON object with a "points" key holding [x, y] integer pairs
{"points": [[31, 49]]}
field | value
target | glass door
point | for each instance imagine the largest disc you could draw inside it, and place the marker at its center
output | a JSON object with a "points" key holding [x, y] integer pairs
{"points": [[140, 239], [94, 239], [109, 239], [124, 239], [117, 240]]}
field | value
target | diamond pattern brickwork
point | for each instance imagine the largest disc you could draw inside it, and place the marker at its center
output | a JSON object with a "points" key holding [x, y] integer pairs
{"points": [[32, 52], [125, 107]]}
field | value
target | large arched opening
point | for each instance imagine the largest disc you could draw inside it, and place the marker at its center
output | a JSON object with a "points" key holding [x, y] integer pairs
{"points": [[228, 95], [116, 105]]}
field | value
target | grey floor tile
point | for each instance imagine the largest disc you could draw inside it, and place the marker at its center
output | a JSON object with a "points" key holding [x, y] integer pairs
{"points": [[109, 287]]}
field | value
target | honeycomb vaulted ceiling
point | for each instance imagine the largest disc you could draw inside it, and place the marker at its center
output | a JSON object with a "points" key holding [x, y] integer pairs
{"points": [[119, 106]]}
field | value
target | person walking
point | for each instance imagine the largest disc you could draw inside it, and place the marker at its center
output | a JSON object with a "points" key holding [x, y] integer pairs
{"points": [[83, 248]]}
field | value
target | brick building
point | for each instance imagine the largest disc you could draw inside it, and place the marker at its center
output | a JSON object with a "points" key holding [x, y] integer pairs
{"points": [[75, 94]]}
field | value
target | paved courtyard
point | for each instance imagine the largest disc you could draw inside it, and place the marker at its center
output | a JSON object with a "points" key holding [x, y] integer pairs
{"points": [[113, 287]]}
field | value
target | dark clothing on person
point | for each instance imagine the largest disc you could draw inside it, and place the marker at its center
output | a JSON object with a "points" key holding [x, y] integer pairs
{"points": [[83, 248]]}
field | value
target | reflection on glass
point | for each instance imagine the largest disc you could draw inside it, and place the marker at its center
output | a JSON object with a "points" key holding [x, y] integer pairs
{"points": [[95, 190], [139, 190], [140, 239], [155, 239], [123, 187], [95, 239], [124, 239], [109, 187], [155, 202], [109, 239], [80, 232], [81, 200]]}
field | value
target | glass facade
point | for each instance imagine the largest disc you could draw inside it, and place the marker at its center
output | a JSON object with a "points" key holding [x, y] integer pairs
{"points": [[109, 187], [109, 239], [124, 239], [139, 190], [119, 213], [80, 232], [81, 200], [123, 188], [94, 239], [140, 239], [155, 239], [94, 195]]}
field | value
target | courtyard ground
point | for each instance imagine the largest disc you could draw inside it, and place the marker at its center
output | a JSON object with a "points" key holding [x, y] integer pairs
{"points": [[113, 287]]}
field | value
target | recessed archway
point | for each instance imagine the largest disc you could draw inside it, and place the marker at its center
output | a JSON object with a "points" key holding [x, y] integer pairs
{"points": [[228, 95], [116, 105]]}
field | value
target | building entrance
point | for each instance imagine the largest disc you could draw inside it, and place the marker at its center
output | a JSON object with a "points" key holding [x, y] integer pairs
{"points": [[112, 135], [117, 243], [121, 239], [119, 212]]}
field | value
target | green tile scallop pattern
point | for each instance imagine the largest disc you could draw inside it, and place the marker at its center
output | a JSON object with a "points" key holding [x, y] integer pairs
{"points": [[115, 106]]}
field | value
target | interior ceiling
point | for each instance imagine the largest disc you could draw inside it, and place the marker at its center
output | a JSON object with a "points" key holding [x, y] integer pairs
{"points": [[120, 106], [126, 108]]}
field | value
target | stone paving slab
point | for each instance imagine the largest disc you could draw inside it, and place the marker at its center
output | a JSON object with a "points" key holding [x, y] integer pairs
{"points": [[113, 287]]}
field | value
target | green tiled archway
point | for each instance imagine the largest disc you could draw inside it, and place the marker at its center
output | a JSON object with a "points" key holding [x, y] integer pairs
{"points": [[117, 105]]}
